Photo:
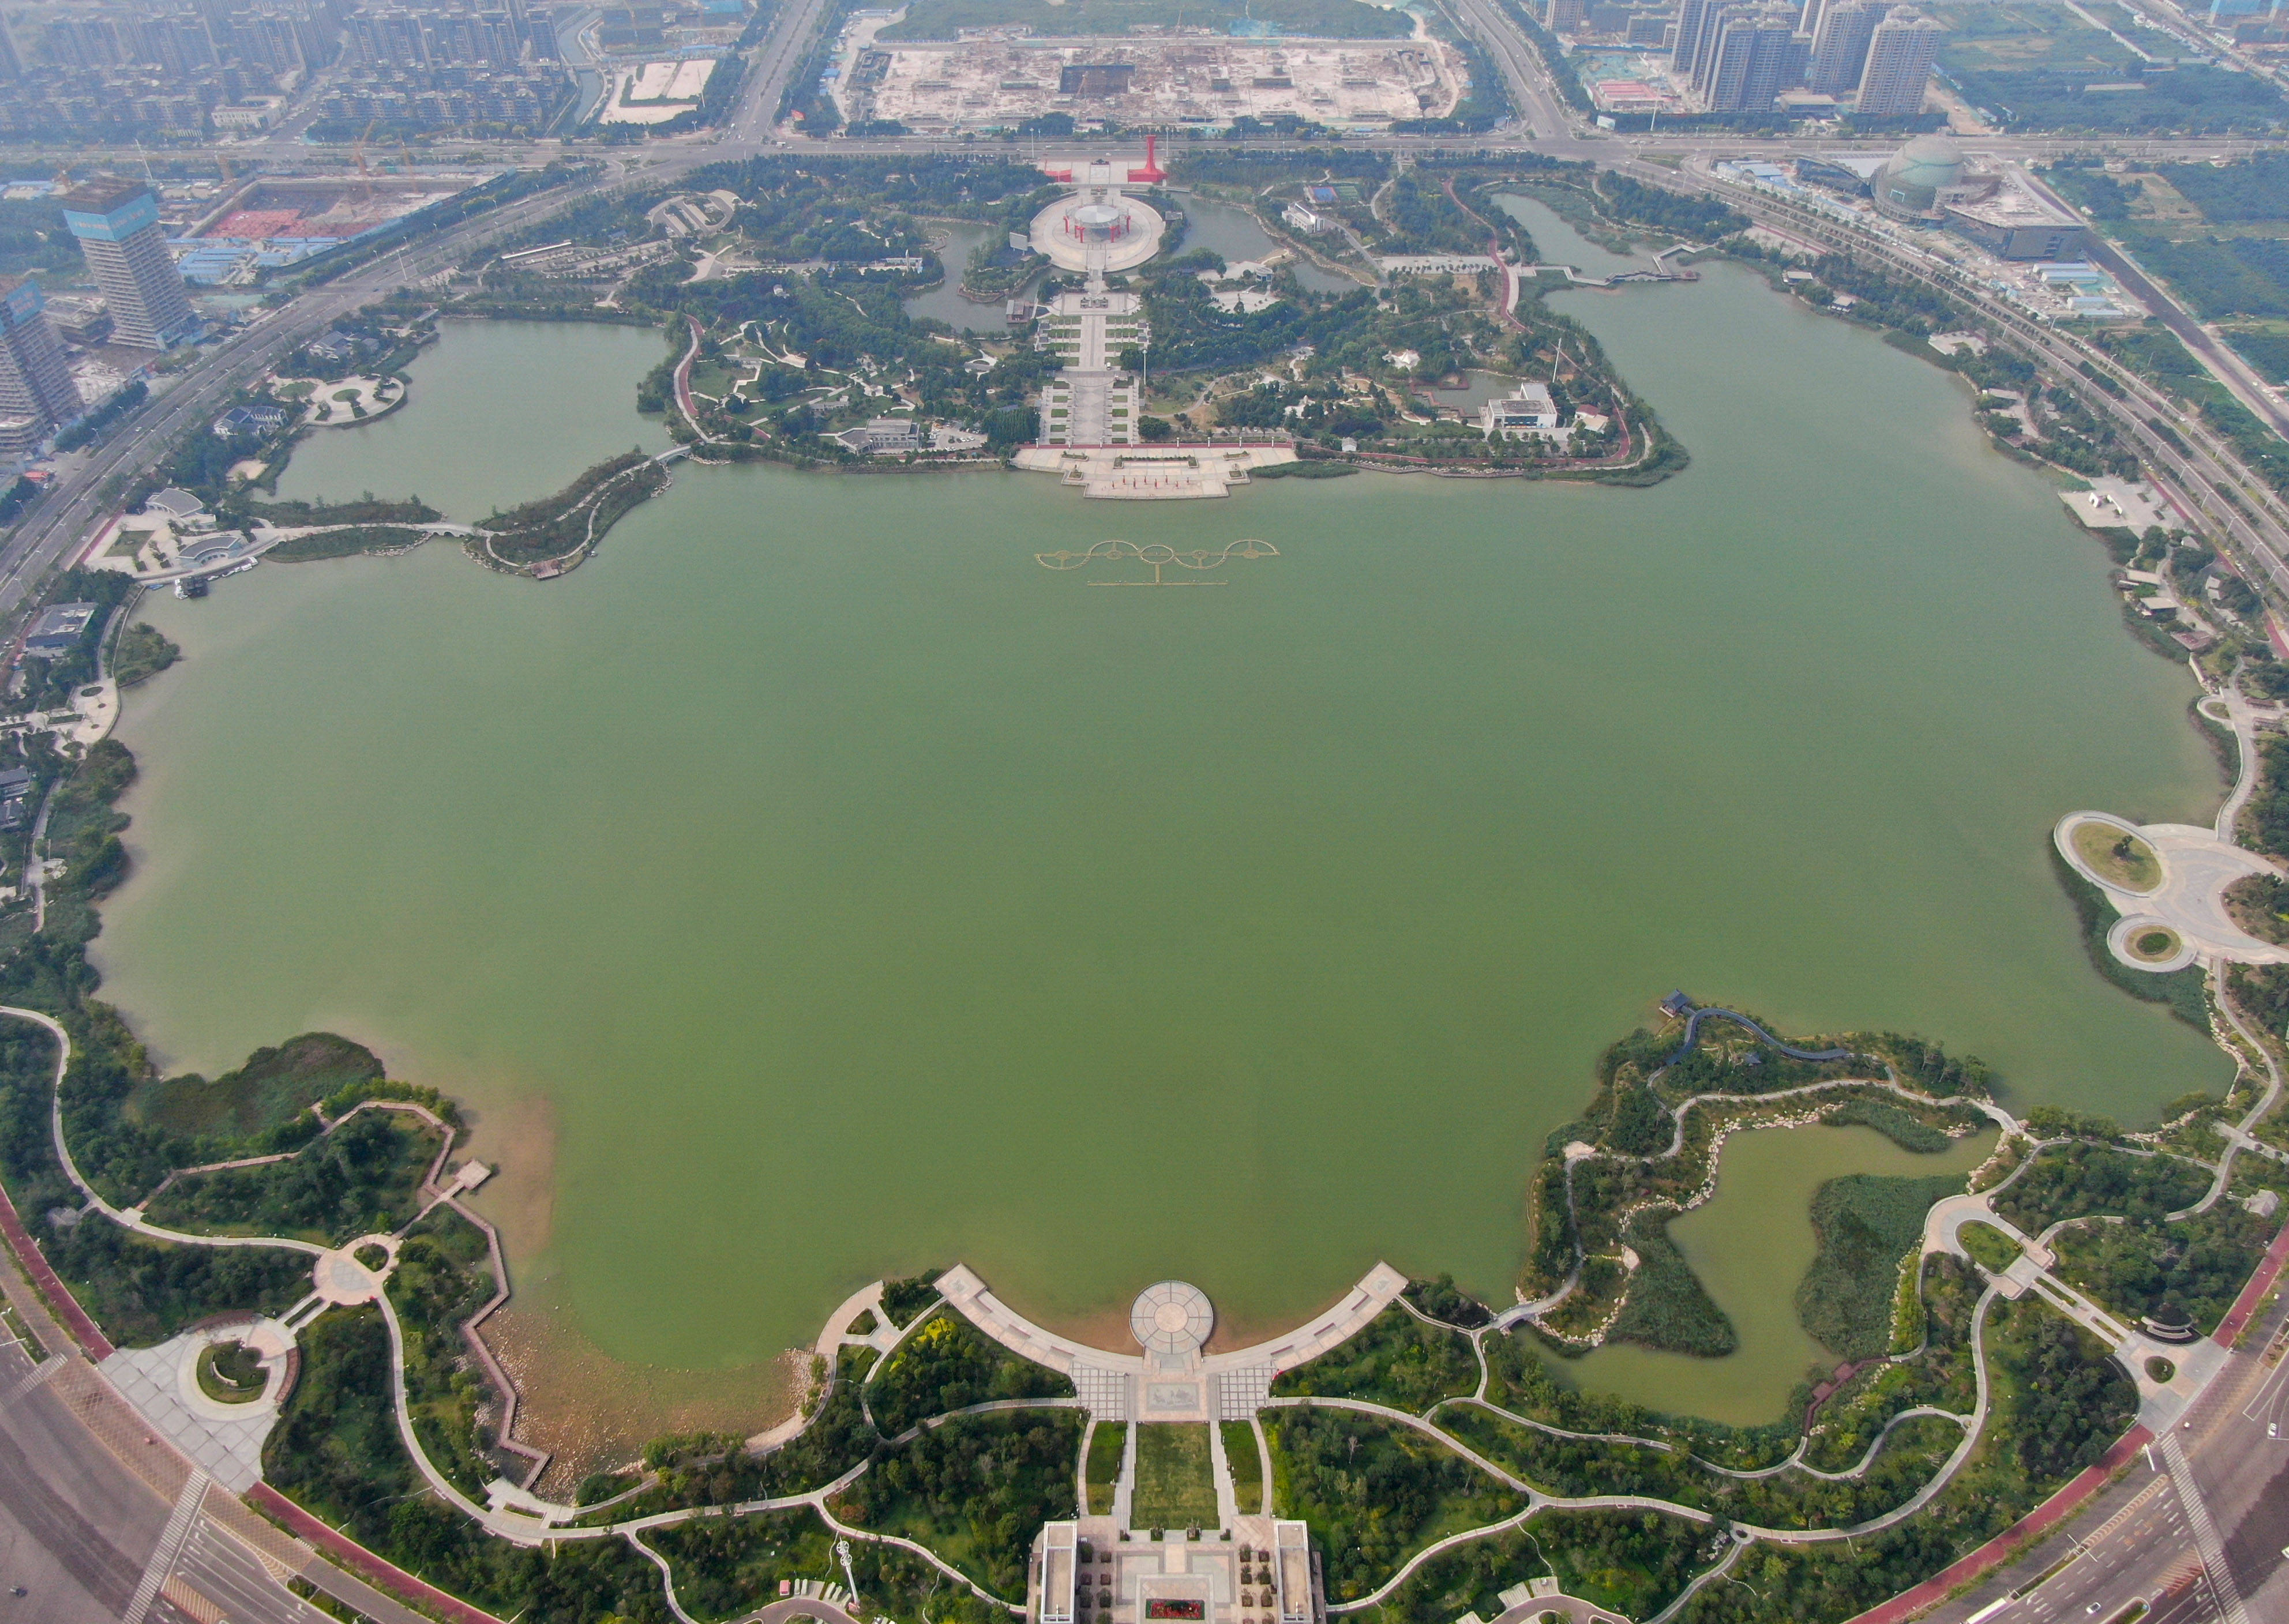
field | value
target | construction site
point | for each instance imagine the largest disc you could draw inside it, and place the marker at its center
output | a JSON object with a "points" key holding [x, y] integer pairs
{"points": [[1209, 81], [279, 220]]}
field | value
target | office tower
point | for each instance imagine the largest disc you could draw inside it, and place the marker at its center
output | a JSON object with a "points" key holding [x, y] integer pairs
{"points": [[117, 224], [1900, 55], [1757, 54], [1565, 16], [36, 393], [1840, 49]]}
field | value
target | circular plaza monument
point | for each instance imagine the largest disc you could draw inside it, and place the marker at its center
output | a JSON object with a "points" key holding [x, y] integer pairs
{"points": [[1171, 1317], [1099, 229]]}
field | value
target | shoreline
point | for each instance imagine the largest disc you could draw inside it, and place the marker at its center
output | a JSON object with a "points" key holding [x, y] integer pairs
{"points": [[889, 470]]}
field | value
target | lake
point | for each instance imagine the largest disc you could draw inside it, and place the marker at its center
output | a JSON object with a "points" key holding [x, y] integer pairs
{"points": [[815, 887]]}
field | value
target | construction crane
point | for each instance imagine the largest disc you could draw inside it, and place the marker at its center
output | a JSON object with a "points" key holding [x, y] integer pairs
{"points": [[357, 157]]}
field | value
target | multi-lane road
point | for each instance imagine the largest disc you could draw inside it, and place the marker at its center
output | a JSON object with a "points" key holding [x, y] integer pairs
{"points": [[2195, 1527], [89, 1539], [65, 518]]}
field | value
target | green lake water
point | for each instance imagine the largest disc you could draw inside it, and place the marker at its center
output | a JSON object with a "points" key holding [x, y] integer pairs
{"points": [[860, 895], [1750, 1245], [499, 412]]}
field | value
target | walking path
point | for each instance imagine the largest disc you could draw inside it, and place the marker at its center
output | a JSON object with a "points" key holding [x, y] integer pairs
{"points": [[1376, 1292], [525, 1518], [2242, 718], [1693, 1035], [2160, 1403], [2198, 866]]}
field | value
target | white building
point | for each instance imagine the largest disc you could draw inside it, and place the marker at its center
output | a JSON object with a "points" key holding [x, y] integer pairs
{"points": [[1527, 413]]}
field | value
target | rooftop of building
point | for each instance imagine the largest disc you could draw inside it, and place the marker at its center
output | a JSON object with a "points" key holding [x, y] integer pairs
{"points": [[104, 195], [1928, 160], [61, 620], [2013, 205]]}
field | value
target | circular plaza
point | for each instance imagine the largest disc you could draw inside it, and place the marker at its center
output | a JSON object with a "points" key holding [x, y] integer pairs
{"points": [[1099, 229], [1171, 1317]]}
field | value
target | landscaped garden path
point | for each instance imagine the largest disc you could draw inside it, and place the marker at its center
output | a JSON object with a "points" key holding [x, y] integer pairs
{"points": [[516, 1515]]}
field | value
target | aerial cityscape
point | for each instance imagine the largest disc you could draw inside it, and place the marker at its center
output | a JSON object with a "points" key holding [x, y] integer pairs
{"points": [[1660, 997]]}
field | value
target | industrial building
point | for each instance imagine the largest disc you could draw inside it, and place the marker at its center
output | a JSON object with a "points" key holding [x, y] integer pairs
{"points": [[116, 221]]}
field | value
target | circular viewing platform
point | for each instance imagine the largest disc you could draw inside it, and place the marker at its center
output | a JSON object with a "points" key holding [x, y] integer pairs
{"points": [[1093, 221]]}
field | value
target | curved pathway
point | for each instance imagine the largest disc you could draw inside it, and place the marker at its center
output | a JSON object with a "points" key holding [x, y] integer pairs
{"points": [[1693, 1035], [2198, 866], [1372, 1295]]}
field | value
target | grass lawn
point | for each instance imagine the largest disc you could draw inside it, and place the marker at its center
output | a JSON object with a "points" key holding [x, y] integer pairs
{"points": [[2120, 859], [2154, 944], [1246, 1466], [1105, 1446], [229, 1373], [1176, 1484], [1990, 1248]]}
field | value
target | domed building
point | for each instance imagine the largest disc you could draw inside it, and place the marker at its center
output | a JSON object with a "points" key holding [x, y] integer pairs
{"points": [[1917, 181]]}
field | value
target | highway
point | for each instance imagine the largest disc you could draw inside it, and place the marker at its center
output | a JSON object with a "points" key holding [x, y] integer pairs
{"points": [[2199, 1538], [2197, 470], [68, 516], [80, 1530]]}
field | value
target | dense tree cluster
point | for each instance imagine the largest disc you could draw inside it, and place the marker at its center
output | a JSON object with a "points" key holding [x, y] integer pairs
{"points": [[361, 1179], [1397, 1360], [948, 1364], [993, 1479], [2079, 1180], [336, 1452], [1368, 1488]]}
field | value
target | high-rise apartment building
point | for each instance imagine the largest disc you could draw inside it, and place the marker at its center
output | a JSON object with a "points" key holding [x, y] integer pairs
{"points": [[1757, 54], [1839, 47], [1900, 56], [1683, 49], [117, 224], [541, 33], [38, 395]]}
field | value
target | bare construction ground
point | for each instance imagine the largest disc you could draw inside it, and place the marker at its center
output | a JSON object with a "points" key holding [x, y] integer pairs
{"points": [[984, 84]]}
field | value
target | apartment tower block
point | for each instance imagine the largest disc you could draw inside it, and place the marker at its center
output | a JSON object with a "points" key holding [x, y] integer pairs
{"points": [[38, 395]]}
